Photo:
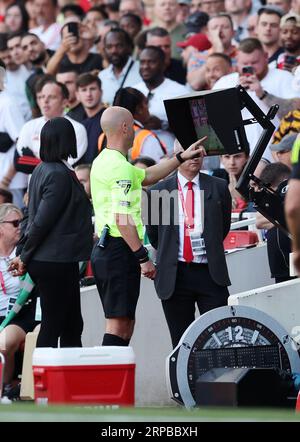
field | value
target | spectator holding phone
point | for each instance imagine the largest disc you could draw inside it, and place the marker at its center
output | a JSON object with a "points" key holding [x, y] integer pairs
{"points": [[260, 81], [290, 38], [73, 53]]}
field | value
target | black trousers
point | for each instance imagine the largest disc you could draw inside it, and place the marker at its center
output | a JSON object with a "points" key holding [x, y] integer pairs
{"points": [[58, 285], [194, 286]]}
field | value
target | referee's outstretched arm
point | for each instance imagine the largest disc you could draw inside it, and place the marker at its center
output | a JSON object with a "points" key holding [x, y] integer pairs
{"points": [[161, 170]]}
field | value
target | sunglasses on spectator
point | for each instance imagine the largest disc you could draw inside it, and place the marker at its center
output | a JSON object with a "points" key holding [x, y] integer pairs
{"points": [[14, 222]]}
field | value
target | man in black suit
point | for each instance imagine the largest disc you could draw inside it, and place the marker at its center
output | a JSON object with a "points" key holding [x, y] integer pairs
{"points": [[191, 266]]}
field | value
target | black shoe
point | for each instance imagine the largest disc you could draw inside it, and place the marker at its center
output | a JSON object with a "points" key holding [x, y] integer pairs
{"points": [[12, 392]]}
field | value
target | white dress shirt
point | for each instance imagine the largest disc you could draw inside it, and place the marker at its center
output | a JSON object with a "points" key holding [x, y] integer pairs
{"points": [[49, 36], [277, 82], [166, 90], [198, 214], [111, 83], [11, 122], [31, 132]]}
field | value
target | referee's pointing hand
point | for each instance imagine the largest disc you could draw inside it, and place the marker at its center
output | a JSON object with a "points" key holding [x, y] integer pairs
{"points": [[195, 150]]}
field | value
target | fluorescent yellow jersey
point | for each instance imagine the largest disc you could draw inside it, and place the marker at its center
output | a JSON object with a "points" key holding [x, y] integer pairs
{"points": [[116, 187]]}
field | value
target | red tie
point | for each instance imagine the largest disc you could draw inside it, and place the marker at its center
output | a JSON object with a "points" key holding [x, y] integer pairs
{"points": [[188, 223]]}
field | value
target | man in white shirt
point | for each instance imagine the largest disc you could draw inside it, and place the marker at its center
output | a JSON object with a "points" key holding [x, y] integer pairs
{"points": [[123, 71], [259, 83], [191, 266], [17, 74], [11, 122], [154, 85], [52, 99], [48, 30]]}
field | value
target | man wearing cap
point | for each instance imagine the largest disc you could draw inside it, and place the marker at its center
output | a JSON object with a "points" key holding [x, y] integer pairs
{"points": [[282, 151], [292, 204], [174, 68], [220, 34], [196, 22], [183, 11], [193, 45], [290, 39]]}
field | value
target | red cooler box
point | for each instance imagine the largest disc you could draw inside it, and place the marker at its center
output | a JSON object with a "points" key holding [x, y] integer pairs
{"points": [[97, 375]]}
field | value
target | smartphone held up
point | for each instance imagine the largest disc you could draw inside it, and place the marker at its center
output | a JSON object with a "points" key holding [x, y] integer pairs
{"points": [[73, 28], [248, 70]]}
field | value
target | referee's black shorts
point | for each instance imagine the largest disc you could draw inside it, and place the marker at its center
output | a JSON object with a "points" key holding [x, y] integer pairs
{"points": [[117, 273]]}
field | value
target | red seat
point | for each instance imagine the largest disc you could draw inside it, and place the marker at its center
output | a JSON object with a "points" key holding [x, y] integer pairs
{"points": [[240, 238]]}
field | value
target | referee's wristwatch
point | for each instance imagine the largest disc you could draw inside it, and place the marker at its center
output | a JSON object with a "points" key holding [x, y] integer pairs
{"points": [[141, 254], [179, 157]]}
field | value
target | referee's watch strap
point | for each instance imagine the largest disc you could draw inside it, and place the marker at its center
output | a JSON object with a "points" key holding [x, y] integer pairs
{"points": [[179, 158]]}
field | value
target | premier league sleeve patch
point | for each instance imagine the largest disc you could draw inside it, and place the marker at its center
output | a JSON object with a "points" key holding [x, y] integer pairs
{"points": [[125, 184]]}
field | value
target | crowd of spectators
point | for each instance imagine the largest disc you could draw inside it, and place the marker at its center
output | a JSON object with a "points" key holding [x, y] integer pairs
{"points": [[162, 49], [71, 58], [76, 58]]}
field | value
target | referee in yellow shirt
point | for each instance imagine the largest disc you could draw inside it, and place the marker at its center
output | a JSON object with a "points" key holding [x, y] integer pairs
{"points": [[119, 258]]}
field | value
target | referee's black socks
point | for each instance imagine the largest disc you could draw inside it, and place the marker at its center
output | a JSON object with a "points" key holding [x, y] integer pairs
{"points": [[109, 339]]}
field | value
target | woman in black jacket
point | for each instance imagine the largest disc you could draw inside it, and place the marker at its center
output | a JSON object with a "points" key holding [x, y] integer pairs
{"points": [[58, 236]]}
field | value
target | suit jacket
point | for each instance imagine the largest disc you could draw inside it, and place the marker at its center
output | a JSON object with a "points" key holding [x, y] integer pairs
{"points": [[165, 236], [59, 217]]}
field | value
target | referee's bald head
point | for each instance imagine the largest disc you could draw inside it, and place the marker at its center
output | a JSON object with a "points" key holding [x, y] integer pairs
{"points": [[113, 120]]}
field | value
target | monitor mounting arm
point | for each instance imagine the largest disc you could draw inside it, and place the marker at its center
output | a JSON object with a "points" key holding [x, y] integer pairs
{"points": [[267, 201]]}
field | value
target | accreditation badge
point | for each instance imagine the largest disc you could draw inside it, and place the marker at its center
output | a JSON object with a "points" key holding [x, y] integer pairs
{"points": [[197, 242]]}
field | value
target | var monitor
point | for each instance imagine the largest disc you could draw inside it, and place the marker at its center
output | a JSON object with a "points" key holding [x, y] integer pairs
{"points": [[215, 114]]}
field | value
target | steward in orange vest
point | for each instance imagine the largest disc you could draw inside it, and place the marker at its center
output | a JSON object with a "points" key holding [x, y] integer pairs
{"points": [[140, 136]]}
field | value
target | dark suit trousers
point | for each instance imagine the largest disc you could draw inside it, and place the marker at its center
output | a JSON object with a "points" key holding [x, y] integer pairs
{"points": [[194, 285], [59, 290]]}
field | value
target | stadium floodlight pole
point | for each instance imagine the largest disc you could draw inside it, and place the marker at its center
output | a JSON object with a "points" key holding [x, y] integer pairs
{"points": [[267, 201]]}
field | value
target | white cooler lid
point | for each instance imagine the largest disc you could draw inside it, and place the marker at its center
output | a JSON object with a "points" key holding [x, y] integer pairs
{"points": [[107, 355]]}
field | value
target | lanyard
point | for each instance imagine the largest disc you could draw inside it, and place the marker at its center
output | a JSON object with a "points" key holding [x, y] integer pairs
{"points": [[2, 283]]}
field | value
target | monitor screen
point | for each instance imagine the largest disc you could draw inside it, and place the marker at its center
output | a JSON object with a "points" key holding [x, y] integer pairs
{"points": [[215, 114]]}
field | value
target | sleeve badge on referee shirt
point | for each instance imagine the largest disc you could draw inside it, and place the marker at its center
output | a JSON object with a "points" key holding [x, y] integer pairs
{"points": [[124, 184]]}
